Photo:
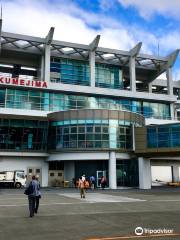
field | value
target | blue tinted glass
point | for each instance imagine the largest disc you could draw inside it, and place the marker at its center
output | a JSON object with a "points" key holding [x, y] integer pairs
{"points": [[70, 71], [89, 121], [81, 121], [108, 76], [67, 122], [74, 121]]}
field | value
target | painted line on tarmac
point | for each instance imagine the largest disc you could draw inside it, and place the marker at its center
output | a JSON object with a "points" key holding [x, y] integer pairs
{"points": [[165, 200], [2, 199], [137, 237], [42, 204]]}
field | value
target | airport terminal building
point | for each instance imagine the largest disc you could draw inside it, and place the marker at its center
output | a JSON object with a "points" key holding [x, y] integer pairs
{"points": [[68, 109]]}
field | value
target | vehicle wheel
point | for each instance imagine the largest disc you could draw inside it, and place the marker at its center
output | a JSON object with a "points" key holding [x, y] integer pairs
{"points": [[18, 185]]}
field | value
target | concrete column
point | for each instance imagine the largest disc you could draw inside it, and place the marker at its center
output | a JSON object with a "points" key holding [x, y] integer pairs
{"points": [[92, 68], [172, 111], [132, 74], [45, 174], [175, 114], [133, 137], [150, 87], [47, 63], [69, 170], [42, 70], [175, 173], [112, 171], [169, 81], [144, 173]]}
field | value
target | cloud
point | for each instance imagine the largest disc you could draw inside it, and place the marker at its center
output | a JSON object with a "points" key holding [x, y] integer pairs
{"points": [[171, 40], [106, 4], [147, 8], [73, 24], [176, 74]]}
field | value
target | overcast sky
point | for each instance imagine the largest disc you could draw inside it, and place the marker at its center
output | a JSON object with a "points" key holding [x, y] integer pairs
{"points": [[121, 23]]}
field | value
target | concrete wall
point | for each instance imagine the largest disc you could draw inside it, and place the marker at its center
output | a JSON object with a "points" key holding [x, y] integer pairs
{"points": [[95, 155]]}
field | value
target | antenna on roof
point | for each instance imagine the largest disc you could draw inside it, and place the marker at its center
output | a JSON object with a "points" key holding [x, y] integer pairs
{"points": [[158, 49]]}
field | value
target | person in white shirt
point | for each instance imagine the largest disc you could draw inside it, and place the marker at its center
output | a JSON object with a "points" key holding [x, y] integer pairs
{"points": [[81, 186], [83, 178]]}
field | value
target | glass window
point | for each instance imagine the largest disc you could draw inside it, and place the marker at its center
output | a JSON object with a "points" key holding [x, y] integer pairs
{"points": [[97, 144], [90, 137], [97, 136], [66, 138], [105, 129], [69, 71], [81, 137], [105, 136], [81, 129], [89, 129], [73, 129], [2, 97], [108, 76], [66, 130], [73, 137], [122, 130], [97, 129]]}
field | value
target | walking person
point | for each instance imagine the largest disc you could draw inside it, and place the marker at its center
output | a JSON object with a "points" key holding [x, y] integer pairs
{"points": [[92, 181], [82, 187], [31, 191], [83, 177], [86, 185], [103, 182], [38, 195]]}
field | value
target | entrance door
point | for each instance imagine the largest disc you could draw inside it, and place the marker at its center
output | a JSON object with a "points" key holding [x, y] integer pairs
{"points": [[127, 173], [56, 178], [121, 173], [34, 171], [99, 175]]}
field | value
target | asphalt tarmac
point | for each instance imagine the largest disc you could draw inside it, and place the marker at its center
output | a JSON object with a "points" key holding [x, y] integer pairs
{"points": [[102, 215]]}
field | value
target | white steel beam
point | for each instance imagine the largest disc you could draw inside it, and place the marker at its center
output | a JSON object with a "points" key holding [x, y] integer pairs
{"points": [[92, 48], [94, 44], [49, 37]]}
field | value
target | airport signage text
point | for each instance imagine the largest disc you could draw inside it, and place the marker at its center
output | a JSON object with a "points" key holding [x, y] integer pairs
{"points": [[23, 82]]}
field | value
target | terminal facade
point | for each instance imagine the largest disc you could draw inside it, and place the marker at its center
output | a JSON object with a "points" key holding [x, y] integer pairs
{"points": [[68, 109]]}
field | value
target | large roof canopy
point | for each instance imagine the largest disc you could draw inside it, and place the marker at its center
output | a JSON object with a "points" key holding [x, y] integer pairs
{"points": [[36, 45]]}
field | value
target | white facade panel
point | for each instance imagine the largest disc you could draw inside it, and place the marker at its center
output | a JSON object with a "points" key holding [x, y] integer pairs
{"points": [[14, 163]]}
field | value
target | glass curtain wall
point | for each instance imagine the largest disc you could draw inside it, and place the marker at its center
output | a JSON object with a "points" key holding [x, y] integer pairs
{"points": [[89, 134], [69, 71], [19, 135], [26, 99], [48, 101], [167, 136], [107, 76], [156, 110]]}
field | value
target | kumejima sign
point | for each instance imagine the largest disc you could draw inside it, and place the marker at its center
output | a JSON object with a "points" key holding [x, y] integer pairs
{"points": [[23, 82]]}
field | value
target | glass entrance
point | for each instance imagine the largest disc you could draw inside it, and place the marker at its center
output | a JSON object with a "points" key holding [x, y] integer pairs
{"points": [[127, 173], [99, 175]]}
